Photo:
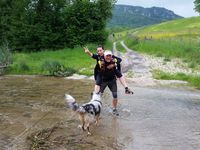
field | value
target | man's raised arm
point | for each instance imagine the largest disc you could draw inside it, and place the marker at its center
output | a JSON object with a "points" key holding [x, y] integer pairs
{"points": [[88, 51]]}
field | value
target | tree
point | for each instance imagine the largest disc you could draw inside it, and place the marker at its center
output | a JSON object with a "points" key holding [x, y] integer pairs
{"points": [[34, 25], [5, 10], [197, 5]]}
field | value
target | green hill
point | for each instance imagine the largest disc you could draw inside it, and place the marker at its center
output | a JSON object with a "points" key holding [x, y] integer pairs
{"points": [[135, 16], [173, 39], [181, 27]]}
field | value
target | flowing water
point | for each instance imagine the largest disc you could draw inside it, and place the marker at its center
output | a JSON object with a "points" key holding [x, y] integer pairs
{"points": [[33, 115]]}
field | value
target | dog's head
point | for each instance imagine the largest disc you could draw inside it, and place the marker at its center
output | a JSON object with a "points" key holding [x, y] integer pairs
{"points": [[96, 96]]}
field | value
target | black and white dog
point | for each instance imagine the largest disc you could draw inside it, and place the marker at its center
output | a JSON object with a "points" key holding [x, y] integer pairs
{"points": [[89, 113]]}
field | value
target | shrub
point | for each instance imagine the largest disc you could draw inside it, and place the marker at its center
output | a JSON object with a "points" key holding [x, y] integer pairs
{"points": [[54, 68], [192, 64], [5, 55], [23, 66], [167, 59]]}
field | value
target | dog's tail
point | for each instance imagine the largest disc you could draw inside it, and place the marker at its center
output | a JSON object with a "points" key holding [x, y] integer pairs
{"points": [[71, 102]]}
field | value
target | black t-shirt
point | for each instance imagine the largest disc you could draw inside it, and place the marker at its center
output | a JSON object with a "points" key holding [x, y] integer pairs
{"points": [[98, 58], [108, 74], [101, 58]]}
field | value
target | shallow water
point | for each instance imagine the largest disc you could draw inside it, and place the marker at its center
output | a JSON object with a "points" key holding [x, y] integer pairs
{"points": [[33, 114]]}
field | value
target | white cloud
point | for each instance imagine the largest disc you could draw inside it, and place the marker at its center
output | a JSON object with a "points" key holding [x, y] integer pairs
{"points": [[183, 8]]}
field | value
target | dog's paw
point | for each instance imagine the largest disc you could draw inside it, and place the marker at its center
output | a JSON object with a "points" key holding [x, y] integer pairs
{"points": [[89, 133], [80, 126], [97, 123]]}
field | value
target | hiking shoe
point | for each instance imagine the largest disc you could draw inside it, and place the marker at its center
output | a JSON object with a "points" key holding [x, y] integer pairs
{"points": [[115, 112], [128, 91]]}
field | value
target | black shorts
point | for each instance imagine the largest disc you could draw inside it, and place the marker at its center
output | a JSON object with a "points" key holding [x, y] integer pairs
{"points": [[98, 77], [112, 85]]}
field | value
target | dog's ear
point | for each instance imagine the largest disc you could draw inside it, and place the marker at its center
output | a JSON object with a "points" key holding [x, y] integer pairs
{"points": [[69, 98]]}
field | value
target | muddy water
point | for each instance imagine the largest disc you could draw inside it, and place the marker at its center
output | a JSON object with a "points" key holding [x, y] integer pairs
{"points": [[33, 115]]}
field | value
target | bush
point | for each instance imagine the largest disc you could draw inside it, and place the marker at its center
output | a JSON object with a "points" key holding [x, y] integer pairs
{"points": [[69, 71], [167, 59], [192, 64], [195, 81], [5, 55], [54, 68], [23, 66]]}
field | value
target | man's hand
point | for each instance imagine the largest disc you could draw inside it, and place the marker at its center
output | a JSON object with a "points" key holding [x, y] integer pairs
{"points": [[111, 66], [86, 49], [128, 91]]}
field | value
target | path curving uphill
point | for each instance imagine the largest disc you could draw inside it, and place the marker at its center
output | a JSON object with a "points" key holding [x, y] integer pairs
{"points": [[136, 64]]}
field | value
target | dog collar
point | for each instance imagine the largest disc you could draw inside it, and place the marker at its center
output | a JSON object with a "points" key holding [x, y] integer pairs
{"points": [[98, 101]]}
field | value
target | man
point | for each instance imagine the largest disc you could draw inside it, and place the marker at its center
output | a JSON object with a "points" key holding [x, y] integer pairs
{"points": [[109, 79], [99, 68]]}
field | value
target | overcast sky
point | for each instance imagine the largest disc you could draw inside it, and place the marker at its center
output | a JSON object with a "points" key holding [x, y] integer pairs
{"points": [[183, 8]]}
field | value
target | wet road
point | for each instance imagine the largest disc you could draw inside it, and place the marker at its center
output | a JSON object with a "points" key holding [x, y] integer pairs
{"points": [[33, 115], [163, 119]]}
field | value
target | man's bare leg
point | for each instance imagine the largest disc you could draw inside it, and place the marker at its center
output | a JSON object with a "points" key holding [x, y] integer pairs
{"points": [[96, 88], [115, 112]]}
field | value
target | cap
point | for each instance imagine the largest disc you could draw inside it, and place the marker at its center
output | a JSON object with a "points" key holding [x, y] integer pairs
{"points": [[107, 52]]}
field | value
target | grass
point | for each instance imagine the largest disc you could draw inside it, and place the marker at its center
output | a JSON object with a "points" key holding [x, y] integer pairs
{"points": [[172, 39], [46, 62], [178, 38], [32, 63], [192, 80], [180, 27], [185, 49], [120, 47]]}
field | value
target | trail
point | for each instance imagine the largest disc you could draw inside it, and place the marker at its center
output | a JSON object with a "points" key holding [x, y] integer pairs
{"points": [[135, 63], [159, 118]]}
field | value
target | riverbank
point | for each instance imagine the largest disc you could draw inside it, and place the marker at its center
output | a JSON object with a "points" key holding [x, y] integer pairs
{"points": [[42, 63], [173, 69]]}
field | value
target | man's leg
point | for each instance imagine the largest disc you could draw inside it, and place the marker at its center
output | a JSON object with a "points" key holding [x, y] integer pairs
{"points": [[103, 86], [114, 103], [113, 88], [98, 82]]}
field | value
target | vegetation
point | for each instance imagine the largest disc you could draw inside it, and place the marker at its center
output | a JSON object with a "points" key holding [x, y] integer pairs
{"points": [[174, 39], [192, 80], [197, 5], [33, 25], [120, 47], [135, 16], [5, 55], [51, 62], [63, 62]]}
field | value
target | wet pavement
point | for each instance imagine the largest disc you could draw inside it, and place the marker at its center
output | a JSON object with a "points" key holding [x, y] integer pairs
{"points": [[33, 115]]}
